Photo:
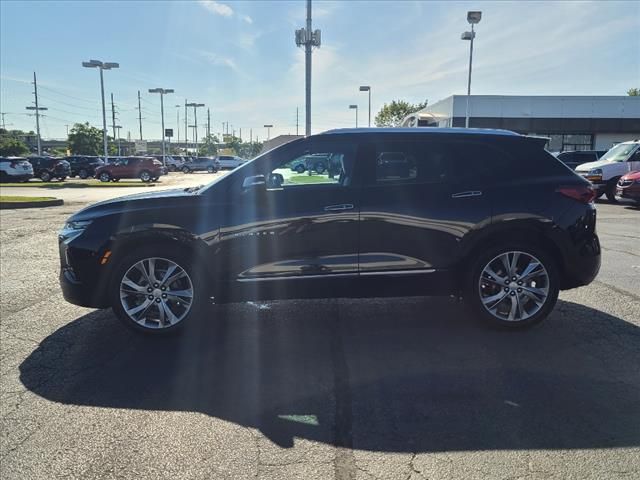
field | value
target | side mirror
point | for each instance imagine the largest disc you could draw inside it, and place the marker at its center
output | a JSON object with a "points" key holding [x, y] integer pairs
{"points": [[275, 180], [255, 181]]}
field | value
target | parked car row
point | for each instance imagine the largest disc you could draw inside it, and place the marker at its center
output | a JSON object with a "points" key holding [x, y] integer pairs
{"points": [[147, 169]]}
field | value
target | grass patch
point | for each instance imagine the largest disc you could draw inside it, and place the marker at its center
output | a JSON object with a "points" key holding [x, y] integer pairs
{"points": [[79, 184], [14, 199], [304, 179]]}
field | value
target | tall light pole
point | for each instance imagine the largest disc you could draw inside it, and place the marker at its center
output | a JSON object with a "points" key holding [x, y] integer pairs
{"points": [[178, 107], [472, 18], [102, 66], [162, 92], [195, 122], [355, 107], [367, 88], [268, 127], [308, 38], [118, 127]]}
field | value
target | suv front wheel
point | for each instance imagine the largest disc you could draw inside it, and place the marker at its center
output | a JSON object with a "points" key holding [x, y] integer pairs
{"points": [[156, 290], [514, 286]]}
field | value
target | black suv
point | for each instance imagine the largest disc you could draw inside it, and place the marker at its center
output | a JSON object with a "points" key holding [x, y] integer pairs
{"points": [[486, 214], [83, 166], [47, 168]]}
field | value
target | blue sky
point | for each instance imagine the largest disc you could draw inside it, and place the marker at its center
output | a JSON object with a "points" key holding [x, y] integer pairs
{"points": [[240, 59]]}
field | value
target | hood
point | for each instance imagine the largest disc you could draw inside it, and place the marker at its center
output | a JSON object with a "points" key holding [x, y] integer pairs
{"points": [[632, 176], [162, 199], [585, 167]]}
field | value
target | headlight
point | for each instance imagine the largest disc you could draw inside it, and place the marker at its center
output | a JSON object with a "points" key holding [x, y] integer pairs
{"points": [[595, 171], [72, 230]]}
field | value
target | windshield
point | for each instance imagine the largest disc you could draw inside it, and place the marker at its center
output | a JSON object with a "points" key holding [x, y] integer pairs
{"points": [[619, 153]]}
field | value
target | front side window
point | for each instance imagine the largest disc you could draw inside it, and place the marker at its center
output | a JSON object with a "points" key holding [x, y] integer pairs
{"points": [[619, 153], [328, 164]]}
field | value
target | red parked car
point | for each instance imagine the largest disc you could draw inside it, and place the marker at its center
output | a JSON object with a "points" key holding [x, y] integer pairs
{"points": [[629, 187], [146, 169]]}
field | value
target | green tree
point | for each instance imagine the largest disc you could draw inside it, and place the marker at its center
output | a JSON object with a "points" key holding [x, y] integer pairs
{"points": [[392, 114], [209, 145], [633, 92], [86, 140], [11, 145]]}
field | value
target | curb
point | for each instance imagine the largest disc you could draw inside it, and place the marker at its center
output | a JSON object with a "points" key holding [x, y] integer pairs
{"points": [[45, 203]]}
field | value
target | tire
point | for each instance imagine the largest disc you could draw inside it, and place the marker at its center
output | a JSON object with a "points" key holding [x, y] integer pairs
{"points": [[610, 190], [300, 168], [114, 180], [45, 176], [145, 176], [186, 170], [62, 179], [155, 179], [83, 174], [320, 168], [105, 177], [211, 170], [172, 168], [123, 297], [532, 300]]}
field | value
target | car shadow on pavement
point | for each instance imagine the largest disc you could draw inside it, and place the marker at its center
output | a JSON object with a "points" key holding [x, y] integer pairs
{"points": [[404, 374]]}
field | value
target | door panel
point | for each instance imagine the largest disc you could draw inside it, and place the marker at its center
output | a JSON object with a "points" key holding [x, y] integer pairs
{"points": [[292, 230], [416, 213]]}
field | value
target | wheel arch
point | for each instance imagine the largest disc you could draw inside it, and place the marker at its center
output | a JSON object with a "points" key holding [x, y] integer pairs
{"points": [[540, 236]]}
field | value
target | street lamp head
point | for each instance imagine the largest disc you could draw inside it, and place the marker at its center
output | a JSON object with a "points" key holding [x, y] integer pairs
{"points": [[197, 104], [365, 88], [92, 64], [168, 90], [474, 17], [353, 106], [155, 90], [268, 126], [467, 35], [110, 65]]}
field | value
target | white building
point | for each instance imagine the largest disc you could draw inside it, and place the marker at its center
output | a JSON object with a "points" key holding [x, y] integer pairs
{"points": [[572, 122]]}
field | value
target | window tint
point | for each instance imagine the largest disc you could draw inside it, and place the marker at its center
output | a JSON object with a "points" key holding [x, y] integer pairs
{"points": [[321, 165], [410, 162]]}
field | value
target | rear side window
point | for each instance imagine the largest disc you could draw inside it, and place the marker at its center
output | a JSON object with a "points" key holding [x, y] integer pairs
{"points": [[408, 162]]}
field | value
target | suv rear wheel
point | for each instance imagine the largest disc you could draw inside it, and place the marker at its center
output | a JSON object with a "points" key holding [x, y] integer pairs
{"points": [[145, 176], [156, 290], [513, 286], [185, 170], [211, 170], [45, 176], [105, 177], [83, 174]]}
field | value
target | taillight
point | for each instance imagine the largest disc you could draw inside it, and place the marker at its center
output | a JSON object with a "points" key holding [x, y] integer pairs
{"points": [[581, 193]]}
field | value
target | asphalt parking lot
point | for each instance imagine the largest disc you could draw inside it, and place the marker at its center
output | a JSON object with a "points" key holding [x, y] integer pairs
{"points": [[403, 388]]}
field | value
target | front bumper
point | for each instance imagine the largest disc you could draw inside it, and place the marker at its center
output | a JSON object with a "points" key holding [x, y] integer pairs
{"points": [[631, 192], [81, 281]]}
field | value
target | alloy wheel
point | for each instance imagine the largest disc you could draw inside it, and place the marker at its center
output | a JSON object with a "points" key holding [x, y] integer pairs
{"points": [[514, 286], [156, 293]]}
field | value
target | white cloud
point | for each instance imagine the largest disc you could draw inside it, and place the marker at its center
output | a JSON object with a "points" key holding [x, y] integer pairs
{"points": [[217, 8], [246, 18], [218, 60]]}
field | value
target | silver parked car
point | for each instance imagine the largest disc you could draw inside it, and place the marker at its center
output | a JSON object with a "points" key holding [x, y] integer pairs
{"points": [[230, 161]]}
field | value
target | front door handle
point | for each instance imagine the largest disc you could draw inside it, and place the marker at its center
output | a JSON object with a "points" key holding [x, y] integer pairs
{"points": [[471, 193], [337, 208]]}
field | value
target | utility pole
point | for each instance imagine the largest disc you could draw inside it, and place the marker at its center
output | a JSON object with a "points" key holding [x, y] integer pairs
{"points": [[37, 108], [4, 125], [251, 135], [208, 122], [67, 130], [186, 130], [240, 134], [195, 122], [296, 121], [113, 118], [162, 92], [178, 124], [139, 115], [309, 39]]}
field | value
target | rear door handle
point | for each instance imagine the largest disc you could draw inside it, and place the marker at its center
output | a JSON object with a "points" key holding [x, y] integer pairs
{"points": [[336, 208], [471, 193]]}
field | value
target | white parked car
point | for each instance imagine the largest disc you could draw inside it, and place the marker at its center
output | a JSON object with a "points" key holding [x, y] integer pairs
{"points": [[15, 169], [173, 163], [229, 161], [605, 173]]}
